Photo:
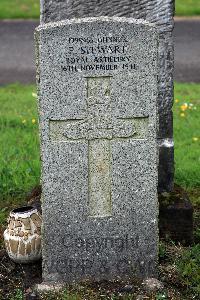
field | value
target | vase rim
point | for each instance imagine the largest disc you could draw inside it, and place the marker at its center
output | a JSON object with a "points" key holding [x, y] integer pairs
{"points": [[23, 210]]}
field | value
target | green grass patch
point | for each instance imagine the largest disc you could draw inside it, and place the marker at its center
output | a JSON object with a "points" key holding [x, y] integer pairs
{"points": [[16, 9], [187, 7], [19, 154], [26, 9], [187, 134], [188, 268]]}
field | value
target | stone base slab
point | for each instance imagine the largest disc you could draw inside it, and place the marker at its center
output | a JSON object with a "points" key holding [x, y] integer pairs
{"points": [[46, 287]]}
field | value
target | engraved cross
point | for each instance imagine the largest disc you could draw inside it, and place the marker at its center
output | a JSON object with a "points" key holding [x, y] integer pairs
{"points": [[99, 127]]}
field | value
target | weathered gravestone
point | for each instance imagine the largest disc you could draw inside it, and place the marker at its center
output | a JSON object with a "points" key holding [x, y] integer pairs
{"points": [[97, 88], [161, 14]]}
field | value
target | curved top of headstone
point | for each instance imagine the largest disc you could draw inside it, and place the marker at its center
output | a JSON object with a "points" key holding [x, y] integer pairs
{"points": [[160, 12], [96, 20]]}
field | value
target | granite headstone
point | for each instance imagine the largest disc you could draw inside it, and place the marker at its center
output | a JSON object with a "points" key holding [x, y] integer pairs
{"points": [[161, 14], [97, 89]]}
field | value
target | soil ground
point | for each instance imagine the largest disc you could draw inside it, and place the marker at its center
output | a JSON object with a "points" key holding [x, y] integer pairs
{"points": [[17, 281]]}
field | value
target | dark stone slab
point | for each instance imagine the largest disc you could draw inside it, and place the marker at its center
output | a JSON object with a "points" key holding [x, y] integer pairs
{"points": [[176, 217], [166, 166]]}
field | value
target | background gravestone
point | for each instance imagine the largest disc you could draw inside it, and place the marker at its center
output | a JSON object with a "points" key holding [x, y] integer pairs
{"points": [[97, 89], [158, 12]]}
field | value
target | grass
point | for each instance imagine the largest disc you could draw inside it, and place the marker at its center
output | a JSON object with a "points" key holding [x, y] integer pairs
{"points": [[19, 154], [26, 9], [187, 134], [19, 9], [187, 7], [188, 268]]}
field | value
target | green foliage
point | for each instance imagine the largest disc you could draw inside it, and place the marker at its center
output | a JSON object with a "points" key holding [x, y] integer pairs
{"points": [[161, 296], [85, 293], [187, 7], [17, 295], [187, 134], [66, 295], [197, 235], [188, 266], [162, 250], [3, 214]]}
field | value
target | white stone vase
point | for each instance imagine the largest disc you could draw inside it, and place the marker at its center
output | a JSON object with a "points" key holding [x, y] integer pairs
{"points": [[23, 235]]}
